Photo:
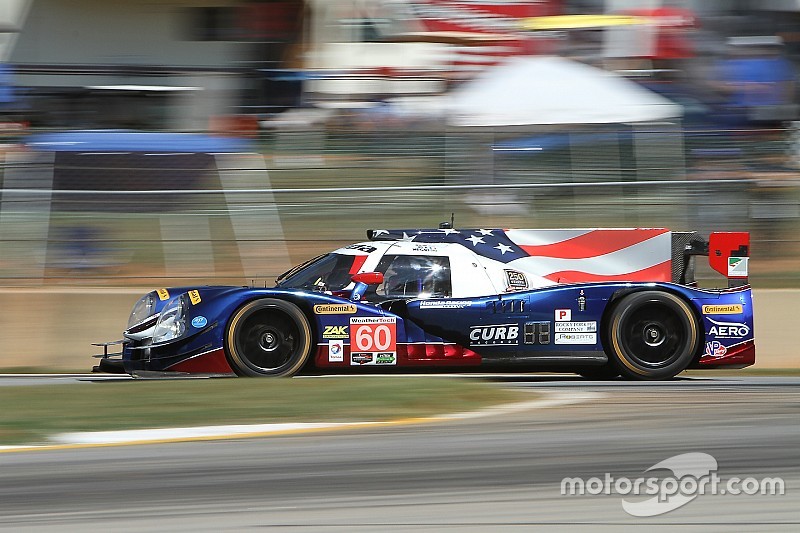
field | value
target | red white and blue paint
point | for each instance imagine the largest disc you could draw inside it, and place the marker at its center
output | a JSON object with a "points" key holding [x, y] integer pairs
{"points": [[600, 302]]}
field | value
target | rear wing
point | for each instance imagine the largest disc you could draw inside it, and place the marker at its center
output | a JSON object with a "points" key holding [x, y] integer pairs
{"points": [[728, 253]]}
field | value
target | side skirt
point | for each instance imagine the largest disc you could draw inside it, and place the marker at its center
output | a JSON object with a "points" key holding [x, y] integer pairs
{"points": [[568, 359]]}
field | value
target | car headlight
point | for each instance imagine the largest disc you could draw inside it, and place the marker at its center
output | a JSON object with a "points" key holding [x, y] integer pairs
{"points": [[144, 309], [172, 320]]}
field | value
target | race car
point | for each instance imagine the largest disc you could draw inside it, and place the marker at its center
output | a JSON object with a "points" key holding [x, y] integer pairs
{"points": [[599, 302]]}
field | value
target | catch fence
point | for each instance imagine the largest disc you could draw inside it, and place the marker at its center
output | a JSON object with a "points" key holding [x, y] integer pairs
{"points": [[162, 218]]}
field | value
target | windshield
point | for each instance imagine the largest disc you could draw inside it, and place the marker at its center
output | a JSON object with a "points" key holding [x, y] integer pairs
{"points": [[330, 272], [412, 276]]}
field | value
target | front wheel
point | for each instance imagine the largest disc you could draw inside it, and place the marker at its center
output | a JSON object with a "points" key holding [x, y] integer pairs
{"points": [[268, 337], [652, 335]]}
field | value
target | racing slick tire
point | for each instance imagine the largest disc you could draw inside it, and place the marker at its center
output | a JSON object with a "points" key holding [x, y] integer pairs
{"points": [[652, 335], [268, 337]]}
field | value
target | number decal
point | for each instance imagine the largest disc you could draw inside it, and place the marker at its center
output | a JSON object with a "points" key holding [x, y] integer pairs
{"points": [[363, 336], [537, 333], [544, 333], [373, 341], [383, 337]]}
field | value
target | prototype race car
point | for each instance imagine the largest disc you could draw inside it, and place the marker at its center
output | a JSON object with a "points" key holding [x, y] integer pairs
{"points": [[600, 302]]}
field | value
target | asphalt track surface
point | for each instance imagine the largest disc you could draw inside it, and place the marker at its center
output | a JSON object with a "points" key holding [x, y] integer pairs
{"points": [[499, 473]]}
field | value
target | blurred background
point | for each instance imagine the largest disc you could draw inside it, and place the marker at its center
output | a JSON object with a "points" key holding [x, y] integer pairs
{"points": [[149, 144]]}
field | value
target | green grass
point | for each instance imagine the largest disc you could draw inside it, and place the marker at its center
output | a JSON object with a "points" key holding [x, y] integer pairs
{"points": [[32, 413]]}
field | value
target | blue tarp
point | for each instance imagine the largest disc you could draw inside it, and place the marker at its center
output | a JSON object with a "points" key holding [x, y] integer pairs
{"points": [[134, 141]]}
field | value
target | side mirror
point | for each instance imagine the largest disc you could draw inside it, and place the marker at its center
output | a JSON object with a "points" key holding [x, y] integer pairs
{"points": [[370, 278], [364, 280]]}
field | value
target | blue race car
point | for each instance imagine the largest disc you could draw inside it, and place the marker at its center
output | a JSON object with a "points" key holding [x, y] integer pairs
{"points": [[600, 302]]}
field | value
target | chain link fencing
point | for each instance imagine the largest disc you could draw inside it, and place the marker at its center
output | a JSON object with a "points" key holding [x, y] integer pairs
{"points": [[164, 218]]}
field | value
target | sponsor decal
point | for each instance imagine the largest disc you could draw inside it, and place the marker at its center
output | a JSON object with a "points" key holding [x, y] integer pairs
{"points": [[199, 322], [715, 349], [194, 297], [737, 267], [335, 352], [335, 309], [728, 330], [359, 358], [494, 335], [335, 332], [373, 320], [516, 280], [163, 294], [576, 327], [576, 338], [563, 315], [446, 304], [373, 358], [730, 309], [373, 339], [425, 248], [581, 301], [385, 358]]}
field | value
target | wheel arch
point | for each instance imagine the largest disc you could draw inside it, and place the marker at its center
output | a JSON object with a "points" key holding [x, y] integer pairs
{"points": [[303, 305], [620, 295]]}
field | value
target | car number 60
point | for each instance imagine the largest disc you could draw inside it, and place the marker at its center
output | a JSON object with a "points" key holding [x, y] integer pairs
{"points": [[373, 334], [370, 337]]}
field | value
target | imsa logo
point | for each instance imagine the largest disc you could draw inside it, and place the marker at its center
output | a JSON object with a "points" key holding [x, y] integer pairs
{"points": [[494, 335]]}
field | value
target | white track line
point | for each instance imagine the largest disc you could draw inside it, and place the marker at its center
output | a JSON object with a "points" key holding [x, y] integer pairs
{"points": [[185, 434]]}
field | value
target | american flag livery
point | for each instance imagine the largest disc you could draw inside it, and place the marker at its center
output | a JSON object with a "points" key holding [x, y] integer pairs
{"points": [[561, 255], [498, 18]]}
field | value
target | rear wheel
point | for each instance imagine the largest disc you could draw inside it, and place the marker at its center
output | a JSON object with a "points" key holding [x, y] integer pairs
{"points": [[268, 338], [652, 335]]}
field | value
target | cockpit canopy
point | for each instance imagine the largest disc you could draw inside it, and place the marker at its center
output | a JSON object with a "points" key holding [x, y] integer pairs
{"points": [[405, 276], [413, 276]]}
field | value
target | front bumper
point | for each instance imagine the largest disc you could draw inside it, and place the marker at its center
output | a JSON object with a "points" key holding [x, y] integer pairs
{"points": [[110, 363], [141, 358]]}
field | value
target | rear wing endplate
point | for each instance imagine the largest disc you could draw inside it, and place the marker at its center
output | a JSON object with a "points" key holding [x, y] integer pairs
{"points": [[728, 253]]}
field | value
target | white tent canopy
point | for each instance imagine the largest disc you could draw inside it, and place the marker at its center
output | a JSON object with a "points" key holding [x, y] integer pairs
{"points": [[553, 90]]}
